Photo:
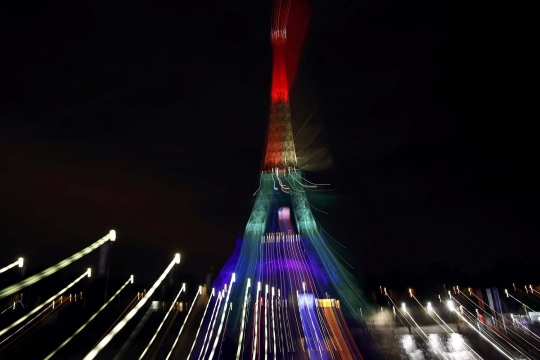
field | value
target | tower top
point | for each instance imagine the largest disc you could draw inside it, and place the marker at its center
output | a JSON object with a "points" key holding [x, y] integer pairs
{"points": [[289, 24], [276, 35]]}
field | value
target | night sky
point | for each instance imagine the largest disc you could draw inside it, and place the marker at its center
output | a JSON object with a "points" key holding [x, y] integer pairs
{"points": [[149, 118]]}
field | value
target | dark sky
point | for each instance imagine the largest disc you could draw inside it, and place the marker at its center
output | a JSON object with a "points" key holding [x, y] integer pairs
{"points": [[149, 118]]}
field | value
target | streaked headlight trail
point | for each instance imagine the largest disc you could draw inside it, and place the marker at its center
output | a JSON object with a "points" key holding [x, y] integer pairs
{"points": [[95, 351], [19, 262], [183, 288], [37, 308], [130, 280], [62, 264]]}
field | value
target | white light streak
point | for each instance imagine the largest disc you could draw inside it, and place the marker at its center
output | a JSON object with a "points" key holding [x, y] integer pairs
{"points": [[482, 335], [95, 351], [130, 280], [255, 337], [430, 343], [229, 290], [273, 322], [521, 303], [183, 324], [212, 321], [12, 265], [266, 323], [51, 270], [183, 288], [28, 323], [200, 325], [37, 308], [242, 323]]}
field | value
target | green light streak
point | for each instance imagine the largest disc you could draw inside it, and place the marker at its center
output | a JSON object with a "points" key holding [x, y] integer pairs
{"points": [[255, 229], [343, 282]]}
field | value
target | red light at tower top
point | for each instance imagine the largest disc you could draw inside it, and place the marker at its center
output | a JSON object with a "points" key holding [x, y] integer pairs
{"points": [[289, 27], [280, 84]]}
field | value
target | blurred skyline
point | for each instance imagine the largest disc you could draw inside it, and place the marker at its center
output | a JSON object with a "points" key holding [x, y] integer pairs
{"points": [[150, 118]]}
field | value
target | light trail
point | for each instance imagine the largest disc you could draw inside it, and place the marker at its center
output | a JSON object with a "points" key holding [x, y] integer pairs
{"points": [[212, 322], [255, 337], [516, 346], [242, 320], [229, 290], [223, 337], [523, 327], [291, 280], [266, 323], [200, 325], [500, 335], [294, 281], [503, 324], [426, 337], [19, 262], [282, 323], [314, 325], [62, 264], [534, 292], [25, 325], [473, 317], [128, 308], [183, 288], [402, 317], [183, 324], [130, 280], [530, 294], [480, 300], [43, 317], [480, 333], [508, 295], [95, 351], [429, 310], [37, 308], [273, 322]]}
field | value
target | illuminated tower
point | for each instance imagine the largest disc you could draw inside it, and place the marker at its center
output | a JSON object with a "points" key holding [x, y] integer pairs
{"points": [[280, 296], [280, 151]]}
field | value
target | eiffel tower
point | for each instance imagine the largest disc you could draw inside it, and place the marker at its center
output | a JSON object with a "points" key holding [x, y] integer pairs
{"points": [[283, 294]]}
